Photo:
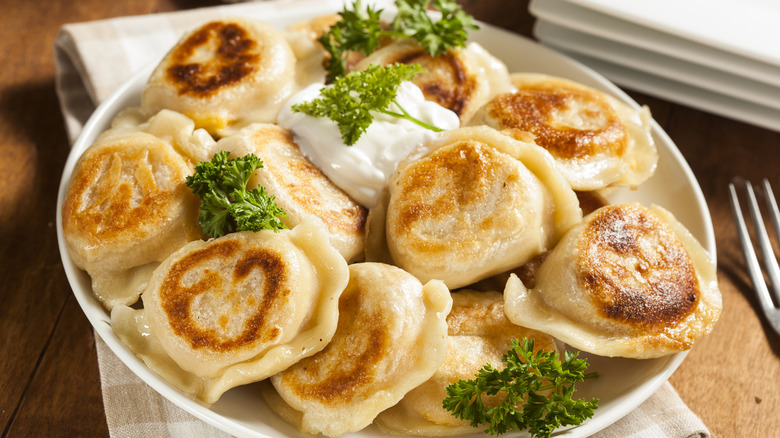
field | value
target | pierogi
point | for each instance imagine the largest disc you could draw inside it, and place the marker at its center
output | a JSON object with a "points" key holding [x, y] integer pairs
{"points": [[596, 140], [237, 309], [223, 73], [480, 203], [127, 209], [299, 187], [391, 337], [479, 333], [630, 281]]}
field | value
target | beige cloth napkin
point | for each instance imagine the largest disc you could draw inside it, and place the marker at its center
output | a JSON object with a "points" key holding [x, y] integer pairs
{"points": [[92, 60]]}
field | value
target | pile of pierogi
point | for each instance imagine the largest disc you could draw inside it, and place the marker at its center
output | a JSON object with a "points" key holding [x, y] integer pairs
{"points": [[362, 313]]}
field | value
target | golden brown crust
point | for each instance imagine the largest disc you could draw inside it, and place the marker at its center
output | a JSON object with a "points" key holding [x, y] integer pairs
{"points": [[481, 314], [309, 187], [636, 270], [537, 109], [630, 281], [224, 75], [461, 80], [351, 219], [391, 337], [234, 59], [299, 187], [127, 204], [444, 81], [113, 191], [596, 140], [368, 340], [237, 309], [354, 363], [176, 296], [478, 204], [471, 167]]}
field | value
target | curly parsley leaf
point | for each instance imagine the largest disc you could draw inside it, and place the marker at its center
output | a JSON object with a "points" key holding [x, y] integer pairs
{"points": [[450, 31], [352, 99], [525, 379], [360, 30], [226, 205]]}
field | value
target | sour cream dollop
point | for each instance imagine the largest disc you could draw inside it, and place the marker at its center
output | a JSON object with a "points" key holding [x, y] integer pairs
{"points": [[363, 169]]}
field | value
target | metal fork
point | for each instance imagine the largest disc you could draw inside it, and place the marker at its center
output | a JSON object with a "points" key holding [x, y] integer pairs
{"points": [[771, 269]]}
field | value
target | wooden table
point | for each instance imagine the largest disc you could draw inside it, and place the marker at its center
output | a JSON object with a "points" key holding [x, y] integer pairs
{"points": [[49, 380]]}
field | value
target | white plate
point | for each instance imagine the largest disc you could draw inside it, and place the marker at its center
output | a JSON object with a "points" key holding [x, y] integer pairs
{"points": [[688, 73], [662, 65], [592, 22], [744, 27], [676, 81], [623, 383], [685, 94]]}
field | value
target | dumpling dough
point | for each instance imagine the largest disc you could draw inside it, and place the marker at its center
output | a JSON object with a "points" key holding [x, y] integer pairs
{"points": [[480, 203], [194, 144], [596, 140], [127, 209], [630, 281], [299, 187], [461, 80], [237, 309], [224, 72], [479, 334], [391, 337]]}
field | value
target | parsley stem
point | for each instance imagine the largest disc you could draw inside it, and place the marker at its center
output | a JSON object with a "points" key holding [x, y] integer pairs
{"points": [[405, 115]]}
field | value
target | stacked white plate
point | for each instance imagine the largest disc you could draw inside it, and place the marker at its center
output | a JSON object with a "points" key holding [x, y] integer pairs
{"points": [[720, 56]]}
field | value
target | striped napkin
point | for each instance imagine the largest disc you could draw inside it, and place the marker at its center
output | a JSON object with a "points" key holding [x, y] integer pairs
{"points": [[94, 58]]}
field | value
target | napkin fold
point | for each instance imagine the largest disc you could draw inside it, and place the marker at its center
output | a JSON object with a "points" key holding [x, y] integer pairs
{"points": [[94, 58]]}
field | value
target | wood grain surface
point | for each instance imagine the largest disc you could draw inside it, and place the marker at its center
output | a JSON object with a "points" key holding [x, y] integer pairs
{"points": [[49, 380]]}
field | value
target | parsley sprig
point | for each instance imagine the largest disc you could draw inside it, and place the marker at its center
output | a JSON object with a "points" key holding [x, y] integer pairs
{"points": [[452, 30], [525, 379], [352, 99], [226, 204], [360, 30]]}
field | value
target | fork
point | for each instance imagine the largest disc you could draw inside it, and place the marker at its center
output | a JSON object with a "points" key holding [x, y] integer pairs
{"points": [[771, 268]]}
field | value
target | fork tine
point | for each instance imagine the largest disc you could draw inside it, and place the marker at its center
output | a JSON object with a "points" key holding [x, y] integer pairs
{"points": [[771, 203], [754, 269], [764, 244]]}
